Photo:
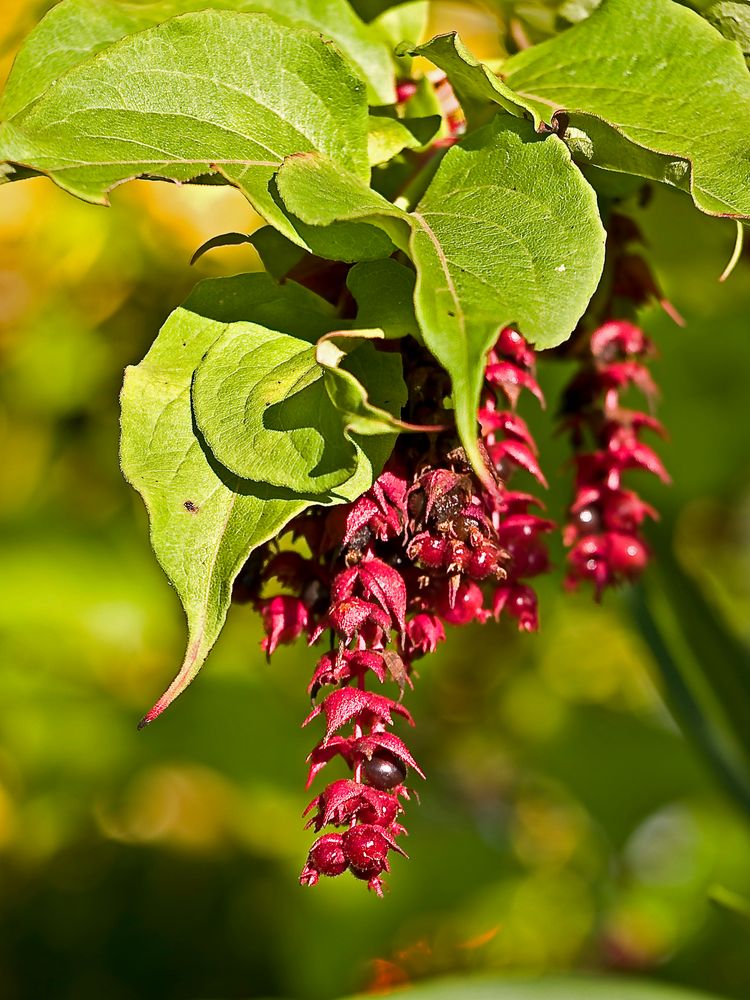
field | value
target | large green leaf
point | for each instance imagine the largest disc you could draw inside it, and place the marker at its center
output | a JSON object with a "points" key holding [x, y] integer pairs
{"points": [[272, 407], [217, 90], [74, 30], [569, 988], [205, 520], [508, 232], [662, 79]]}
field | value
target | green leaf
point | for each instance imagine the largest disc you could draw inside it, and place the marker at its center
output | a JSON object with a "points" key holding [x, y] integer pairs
{"points": [[74, 30], [732, 19], [479, 91], [388, 136], [704, 668], [664, 80], [205, 521], [596, 143], [384, 293], [552, 988], [508, 233], [406, 22], [365, 385], [278, 254], [346, 241], [256, 298], [269, 409], [198, 93]]}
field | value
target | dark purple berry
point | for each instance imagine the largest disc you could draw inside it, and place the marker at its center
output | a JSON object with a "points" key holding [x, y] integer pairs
{"points": [[384, 771], [588, 521]]}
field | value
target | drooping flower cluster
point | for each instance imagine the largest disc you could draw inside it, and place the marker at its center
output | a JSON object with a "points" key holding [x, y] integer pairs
{"points": [[604, 528], [429, 543]]}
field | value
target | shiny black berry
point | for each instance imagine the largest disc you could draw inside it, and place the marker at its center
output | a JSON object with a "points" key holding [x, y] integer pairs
{"points": [[384, 771], [589, 521]]}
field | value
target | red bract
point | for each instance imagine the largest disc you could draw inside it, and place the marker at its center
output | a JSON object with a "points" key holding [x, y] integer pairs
{"points": [[618, 338], [511, 379], [350, 616], [519, 601], [378, 581], [423, 633], [345, 704], [284, 619], [346, 800]]}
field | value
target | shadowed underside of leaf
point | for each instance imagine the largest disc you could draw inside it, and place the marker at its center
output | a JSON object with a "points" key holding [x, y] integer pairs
{"points": [[211, 91], [665, 81]]}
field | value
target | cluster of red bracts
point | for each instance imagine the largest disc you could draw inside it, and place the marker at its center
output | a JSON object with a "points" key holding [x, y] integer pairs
{"points": [[604, 529], [510, 447], [425, 545]]}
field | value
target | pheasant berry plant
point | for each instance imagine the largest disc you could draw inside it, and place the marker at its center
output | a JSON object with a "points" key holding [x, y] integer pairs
{"points": [[336, 440]]}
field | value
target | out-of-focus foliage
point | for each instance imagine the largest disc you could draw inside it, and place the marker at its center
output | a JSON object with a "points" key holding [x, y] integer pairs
{"points": [[566, 823]]}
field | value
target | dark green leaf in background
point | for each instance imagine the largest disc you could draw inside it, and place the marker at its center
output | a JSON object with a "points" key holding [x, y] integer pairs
{"points": [[732, 19], [384, 293]]}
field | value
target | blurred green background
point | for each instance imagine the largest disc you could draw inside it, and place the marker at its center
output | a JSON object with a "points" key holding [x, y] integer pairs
{"points": [[567, 824]]}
